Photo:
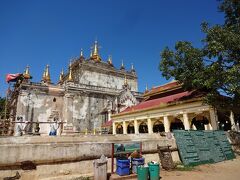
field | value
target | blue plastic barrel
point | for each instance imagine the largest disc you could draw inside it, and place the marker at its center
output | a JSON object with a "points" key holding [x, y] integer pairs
{"points": [[123, 167], [136, 162]]}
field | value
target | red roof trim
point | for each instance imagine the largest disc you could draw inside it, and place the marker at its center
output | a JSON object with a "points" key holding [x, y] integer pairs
{"points": [[156, 102]]}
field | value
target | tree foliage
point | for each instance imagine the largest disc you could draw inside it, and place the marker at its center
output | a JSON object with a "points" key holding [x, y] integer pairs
{"points": [[215, 67]]}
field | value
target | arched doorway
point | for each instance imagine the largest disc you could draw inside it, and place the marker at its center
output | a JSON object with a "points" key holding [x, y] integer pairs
{"points": [[143, 128], [119, 129], [176, 124], [199, 122], [130, 128], [158, 127]]}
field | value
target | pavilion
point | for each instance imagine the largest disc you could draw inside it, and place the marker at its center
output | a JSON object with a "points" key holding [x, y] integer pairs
{"points": [[164, 109]]}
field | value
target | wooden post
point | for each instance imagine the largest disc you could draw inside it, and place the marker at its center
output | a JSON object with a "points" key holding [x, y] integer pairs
{"points": [[140, 148], [112, 168]]}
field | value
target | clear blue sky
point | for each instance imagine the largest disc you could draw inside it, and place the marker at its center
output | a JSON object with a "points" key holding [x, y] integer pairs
{"points": [[52, 31]]}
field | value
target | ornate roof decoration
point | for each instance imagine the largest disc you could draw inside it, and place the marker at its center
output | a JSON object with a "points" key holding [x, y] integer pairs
{"points": [[70, 78], [122, 66], [47, 74], [132, 68], [26, 73], [61, 76], [81, 55], [95, 54], [109, 61]]}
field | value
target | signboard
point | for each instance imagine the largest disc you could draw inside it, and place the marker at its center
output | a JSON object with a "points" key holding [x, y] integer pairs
{"points": [[127, 147]]}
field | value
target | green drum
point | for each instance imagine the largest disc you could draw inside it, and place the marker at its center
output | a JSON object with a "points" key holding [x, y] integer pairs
{"points": [[142, 172], [154, 171]]}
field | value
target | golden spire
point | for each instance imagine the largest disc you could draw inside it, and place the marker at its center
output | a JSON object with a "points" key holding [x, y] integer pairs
{"points": [[132, 67], [47, 74], [91, 53], [26, 73], [70, 78], [95, 49], [81, 53], [122, 66], [95, 55], [146, 89], [109, 60], [44, 76], [61, 76]]}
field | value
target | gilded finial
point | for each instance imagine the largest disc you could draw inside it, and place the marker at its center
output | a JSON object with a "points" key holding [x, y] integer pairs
{"points": [[95, 48], [26, 73], [132, 67], [91, 53], [81, 53], [122, 66], [109, 60], [70, 78], [95, 55], [47, 74], [44, 76], [146, 89], [61, 76]]}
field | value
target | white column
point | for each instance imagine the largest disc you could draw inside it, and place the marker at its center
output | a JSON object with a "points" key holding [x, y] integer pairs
{"points": [[136, 126], [206, 127], [186, 121], [166, 123], [233, 125], [109, 115], [194, 127], [124, 127], [150, 129], [210, 126], [114, 128], [213, 118]]}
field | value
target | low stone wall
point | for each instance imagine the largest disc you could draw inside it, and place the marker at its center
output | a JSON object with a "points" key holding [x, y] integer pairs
{"points": [[70, 154]]}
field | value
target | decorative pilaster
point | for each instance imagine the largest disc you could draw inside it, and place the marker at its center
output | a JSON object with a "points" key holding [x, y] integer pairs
{"points": [[186, 121], [109, 115], [68, 113], [136, 127], [124, 127], [166, 123], [114, 128], [150, 129]]}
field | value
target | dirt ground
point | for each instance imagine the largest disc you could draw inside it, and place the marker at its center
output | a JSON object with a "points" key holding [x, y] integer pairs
{"points": [[227, 170]]}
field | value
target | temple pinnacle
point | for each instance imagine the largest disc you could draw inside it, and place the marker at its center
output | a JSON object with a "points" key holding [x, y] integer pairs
{"points": [[47, 74], [95, 54], [70, 78], [109, 60], [122, 66], [26, 73]]}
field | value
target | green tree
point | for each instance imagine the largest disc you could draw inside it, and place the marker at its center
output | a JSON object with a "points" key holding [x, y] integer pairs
{"points": [[213, 68]]}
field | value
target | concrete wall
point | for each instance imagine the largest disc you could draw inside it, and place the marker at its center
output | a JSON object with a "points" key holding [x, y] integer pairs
{"points": [[36, 106], [69, 154]]}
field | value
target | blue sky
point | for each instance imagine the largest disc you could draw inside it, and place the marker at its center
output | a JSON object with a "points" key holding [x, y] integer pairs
{"points": [[52, 31]]}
